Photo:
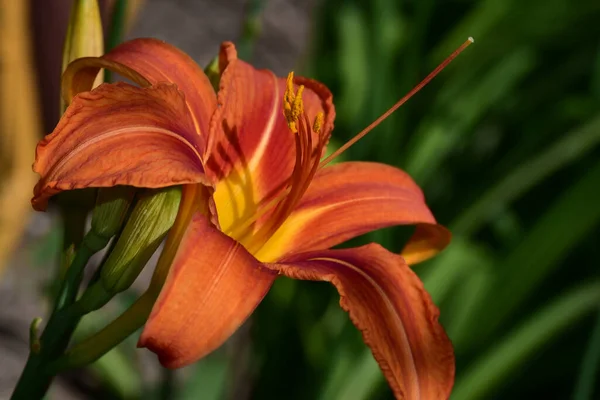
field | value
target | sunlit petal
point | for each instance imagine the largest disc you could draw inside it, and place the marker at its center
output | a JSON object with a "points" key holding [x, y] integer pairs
{"points": [[396, 316], [214, 284], [252, 148], [119, 134], [349, 199]]}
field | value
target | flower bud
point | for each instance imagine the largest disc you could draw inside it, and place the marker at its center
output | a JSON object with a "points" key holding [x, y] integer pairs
{"points": [[213, 73], [84, 35], [110, 211], [150, 220]]}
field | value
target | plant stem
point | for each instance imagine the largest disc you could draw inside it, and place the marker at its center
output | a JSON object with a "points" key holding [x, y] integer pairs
{"points": [[99, 344], [36, 377]]}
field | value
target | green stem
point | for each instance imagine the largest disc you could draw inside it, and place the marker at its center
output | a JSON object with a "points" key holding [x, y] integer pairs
{"points": [[73, 223], [70, 284], [135, 316], [92, 243], [97, 345], [36, 377]]}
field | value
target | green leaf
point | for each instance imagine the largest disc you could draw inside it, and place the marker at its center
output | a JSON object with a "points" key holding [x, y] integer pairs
{"points": [[353, 64], [436, 137], [570, 148], [454, 264], [208, 379], [485, 374], [588, 376], [558, 231], [117, 372]]}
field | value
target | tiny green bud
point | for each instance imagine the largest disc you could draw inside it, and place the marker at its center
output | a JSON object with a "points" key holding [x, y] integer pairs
{"points": [[111, 208], [149, 222], [213, 73]]}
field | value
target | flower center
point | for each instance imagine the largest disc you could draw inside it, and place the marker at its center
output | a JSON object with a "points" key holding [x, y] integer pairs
{"points": [[308, 155]]}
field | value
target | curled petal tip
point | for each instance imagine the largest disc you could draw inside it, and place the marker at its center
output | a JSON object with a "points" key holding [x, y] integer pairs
{"points": [[227, 54], [386, 301]]}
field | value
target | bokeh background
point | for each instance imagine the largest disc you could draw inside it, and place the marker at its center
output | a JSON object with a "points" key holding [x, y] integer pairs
{"points": [[504, 143]]}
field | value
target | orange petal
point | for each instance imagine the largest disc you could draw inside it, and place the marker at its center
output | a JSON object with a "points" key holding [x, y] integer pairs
{"points": [[214, 284], [251, 147], [426, 242], [158, 61], [80, 75], [395, 314], [148, 62], [350, 199], [119, 135]]}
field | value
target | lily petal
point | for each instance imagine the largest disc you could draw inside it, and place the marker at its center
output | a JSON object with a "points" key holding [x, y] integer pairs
{"points": [[426, 242], [213, 285], [350, 199], [396, 316], [148, 62], [252, 151], [158, 61], [119, 134]]}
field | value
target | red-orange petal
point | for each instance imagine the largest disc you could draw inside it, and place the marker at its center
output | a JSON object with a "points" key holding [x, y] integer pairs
{"points": [[250, 144], [119, 134], [213, 286], [158, 61], [426, 242], [388, 304], [350, 199]]}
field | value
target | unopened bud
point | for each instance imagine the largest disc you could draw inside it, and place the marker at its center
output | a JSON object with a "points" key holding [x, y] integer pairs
{"points": [[213, 73], [84, 34], [150, 220], [111, 208]]}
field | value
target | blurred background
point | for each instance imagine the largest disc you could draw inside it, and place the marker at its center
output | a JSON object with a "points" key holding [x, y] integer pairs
{"points": [[504, 144]]}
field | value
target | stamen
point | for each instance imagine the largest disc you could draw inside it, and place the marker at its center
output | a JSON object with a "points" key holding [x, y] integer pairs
{"points": [[318, 124], [293, 107], [298, 106], [400, 102], [289, 91]]}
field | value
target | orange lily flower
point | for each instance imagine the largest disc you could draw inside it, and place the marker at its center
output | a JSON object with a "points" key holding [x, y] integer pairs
{"points": [[257, 203]]}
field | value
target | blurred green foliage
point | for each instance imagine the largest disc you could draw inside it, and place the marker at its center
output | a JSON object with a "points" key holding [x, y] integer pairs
{"points": [[505, 146]]}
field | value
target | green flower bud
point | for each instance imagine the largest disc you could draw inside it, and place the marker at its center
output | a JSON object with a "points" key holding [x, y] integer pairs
{"points": [[213, 73], [149, 222], [84, 35], [111, 208]]}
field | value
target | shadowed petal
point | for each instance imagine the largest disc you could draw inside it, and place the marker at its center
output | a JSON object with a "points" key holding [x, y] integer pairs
{"points": [[81, 74], [426, 242], [148, 62], [349, 199], [158, 61], [119, 135], [214, 284], [396, 316], [251, 147]]}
